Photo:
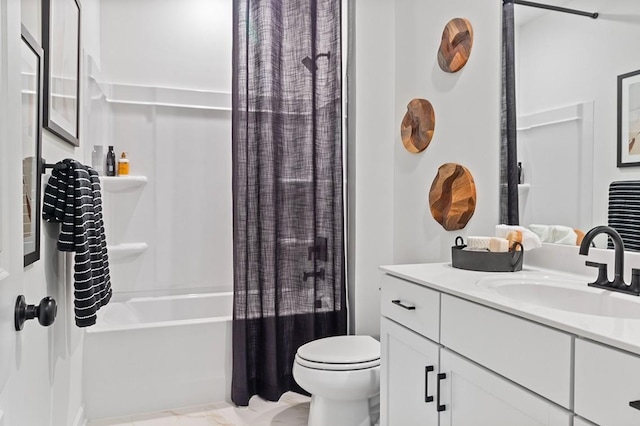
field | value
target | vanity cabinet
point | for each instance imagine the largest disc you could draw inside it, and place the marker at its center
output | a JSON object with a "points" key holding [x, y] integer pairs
{"points": [[606, 381], [408, 376], [424, 382], [474, 396]]}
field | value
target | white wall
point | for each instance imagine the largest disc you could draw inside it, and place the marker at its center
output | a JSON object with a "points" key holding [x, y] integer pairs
{"points": [[396, 44], [566, 59], [371, 154], [467, 114], [40, 367]]}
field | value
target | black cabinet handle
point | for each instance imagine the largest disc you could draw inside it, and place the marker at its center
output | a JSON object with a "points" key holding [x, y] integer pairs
{"points": [[441, 377], [402, 305], [635, 404], [427, 397]]}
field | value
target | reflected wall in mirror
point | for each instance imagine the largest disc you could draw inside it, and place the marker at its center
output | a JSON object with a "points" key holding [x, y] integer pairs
{"points": [[567, 68], [31, 70]]}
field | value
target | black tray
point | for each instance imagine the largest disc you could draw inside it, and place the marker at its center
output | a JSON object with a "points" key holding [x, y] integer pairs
{"points": [[486, 261]]}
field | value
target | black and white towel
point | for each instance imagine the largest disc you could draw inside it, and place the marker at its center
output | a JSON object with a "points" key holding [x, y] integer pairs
{"points": [[73, 198], [624, 212]]}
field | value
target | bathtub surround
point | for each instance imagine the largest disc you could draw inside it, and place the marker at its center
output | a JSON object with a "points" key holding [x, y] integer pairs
{"points": [[289, 268]]}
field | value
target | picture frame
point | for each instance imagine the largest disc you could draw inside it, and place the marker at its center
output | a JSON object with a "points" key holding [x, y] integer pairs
{"points": [[629, 119], [32, 70], [61, 43]]}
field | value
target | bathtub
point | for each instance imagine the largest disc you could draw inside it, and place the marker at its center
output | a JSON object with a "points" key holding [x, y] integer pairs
{"points": [[151, 354]]}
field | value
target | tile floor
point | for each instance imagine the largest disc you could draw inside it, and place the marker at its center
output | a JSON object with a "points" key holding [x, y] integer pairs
{"points": [[291, 410]]}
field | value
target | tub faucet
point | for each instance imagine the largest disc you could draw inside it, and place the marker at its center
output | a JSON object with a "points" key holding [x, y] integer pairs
{"points": [[602, 281], [316, 274]]}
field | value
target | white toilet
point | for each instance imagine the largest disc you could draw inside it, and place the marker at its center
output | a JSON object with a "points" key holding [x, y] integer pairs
{"points": [[341, 373]]}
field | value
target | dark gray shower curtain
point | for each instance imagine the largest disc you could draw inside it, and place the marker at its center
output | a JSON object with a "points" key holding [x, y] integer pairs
{"points": [[509, 213], [287, 188]]}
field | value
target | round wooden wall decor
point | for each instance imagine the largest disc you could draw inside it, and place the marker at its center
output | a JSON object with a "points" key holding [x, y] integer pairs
{"points": [[417, 125], [455, 47], [452, 197]]}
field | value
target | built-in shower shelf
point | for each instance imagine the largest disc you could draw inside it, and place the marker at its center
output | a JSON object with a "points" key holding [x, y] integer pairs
{"points": [[121, 251], [122, 183]]}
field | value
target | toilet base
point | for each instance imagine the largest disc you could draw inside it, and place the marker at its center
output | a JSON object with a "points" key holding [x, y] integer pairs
{"points": [[324, 411]]}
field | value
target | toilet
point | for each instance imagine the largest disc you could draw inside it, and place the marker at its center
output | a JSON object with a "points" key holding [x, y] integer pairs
{"points": [[342, 374]]}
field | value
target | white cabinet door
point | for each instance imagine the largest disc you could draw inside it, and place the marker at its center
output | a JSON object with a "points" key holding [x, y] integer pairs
{"points": [[474, 396], [409, 367], [606, 382]]}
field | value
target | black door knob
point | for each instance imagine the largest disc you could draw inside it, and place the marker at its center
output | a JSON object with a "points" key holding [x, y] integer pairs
{"points": [[45, 312]]}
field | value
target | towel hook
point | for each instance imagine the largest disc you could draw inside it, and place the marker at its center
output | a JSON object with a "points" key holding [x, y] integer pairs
{"points": [[56, 166]]}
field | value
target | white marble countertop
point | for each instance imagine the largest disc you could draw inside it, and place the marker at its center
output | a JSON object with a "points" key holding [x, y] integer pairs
{"points": [[621, 333]]}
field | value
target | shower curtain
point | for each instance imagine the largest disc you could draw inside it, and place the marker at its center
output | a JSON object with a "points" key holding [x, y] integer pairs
{"points": [[288, 220], [509, 213]]}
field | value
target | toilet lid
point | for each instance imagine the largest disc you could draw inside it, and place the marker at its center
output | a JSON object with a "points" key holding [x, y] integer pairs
{"points": [[341, 350]]}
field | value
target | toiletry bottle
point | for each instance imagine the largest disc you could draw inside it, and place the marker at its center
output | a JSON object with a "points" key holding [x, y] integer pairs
{"points": [[111, 162], [520, 173], [97, 159], [123, 165]]}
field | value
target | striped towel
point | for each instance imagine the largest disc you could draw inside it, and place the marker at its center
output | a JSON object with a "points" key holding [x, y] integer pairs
{"points": [[72, 197], [624, 212]]}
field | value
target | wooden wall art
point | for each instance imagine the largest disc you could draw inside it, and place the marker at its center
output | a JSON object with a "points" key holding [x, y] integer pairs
{"points": [[455, 47], [452, 197], [418, 125]]}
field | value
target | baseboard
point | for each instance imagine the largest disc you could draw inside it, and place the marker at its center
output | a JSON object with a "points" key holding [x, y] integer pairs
{"points": [[80, 419]]}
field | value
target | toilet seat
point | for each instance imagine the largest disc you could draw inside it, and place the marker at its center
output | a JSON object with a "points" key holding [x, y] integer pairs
{"points": [[340, 353]]}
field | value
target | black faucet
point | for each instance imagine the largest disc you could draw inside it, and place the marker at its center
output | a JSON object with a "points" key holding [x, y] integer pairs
{"points": [[602, 281], [316, 274]]}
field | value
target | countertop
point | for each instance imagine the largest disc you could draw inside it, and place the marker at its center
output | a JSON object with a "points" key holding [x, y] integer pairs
{"points": [[621, 333]]}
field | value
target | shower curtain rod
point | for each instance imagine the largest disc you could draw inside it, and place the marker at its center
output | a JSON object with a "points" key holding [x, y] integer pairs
{"points": [[593, 15]]}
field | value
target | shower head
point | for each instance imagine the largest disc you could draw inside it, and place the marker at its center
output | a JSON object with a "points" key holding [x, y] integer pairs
{"points": [[310, 64]]}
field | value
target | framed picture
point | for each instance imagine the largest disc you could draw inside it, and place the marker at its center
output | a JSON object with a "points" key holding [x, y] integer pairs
{"points": [[61, 43], [31, 93], [629, 119]]}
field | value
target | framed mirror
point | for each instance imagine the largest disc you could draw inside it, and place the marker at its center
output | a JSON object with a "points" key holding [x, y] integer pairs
{"points": [[31, 72]]}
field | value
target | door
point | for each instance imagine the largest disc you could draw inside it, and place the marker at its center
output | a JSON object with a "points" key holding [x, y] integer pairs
{"points": [[38, 386], [474, 396], [408, 377], [12, 348]]}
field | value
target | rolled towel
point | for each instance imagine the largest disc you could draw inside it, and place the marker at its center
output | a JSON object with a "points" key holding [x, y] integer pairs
{"points": [[556, 234], [564, 235], [530, 239], [542, 231]]}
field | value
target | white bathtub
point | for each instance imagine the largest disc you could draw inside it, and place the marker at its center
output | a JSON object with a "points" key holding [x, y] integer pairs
{"points": [[157, 353]]}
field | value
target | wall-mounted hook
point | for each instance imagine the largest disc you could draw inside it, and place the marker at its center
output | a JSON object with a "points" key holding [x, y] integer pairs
{"points": [[44, 165], [45, 312]]}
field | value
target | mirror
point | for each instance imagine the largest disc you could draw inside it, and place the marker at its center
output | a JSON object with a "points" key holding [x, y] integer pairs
{"points": [[31, 71], [567, 69]]}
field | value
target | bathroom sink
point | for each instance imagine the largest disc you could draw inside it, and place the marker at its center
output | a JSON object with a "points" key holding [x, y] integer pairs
{"points": [[563, 294]]}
